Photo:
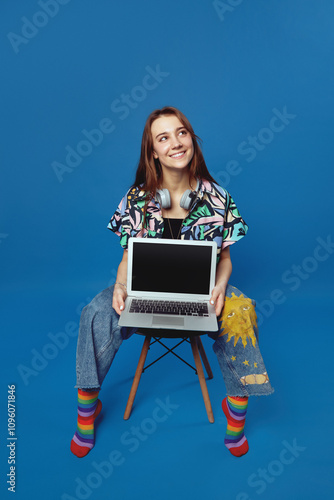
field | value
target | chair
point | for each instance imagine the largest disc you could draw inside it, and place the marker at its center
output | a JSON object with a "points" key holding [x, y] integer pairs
{"points": [[198, 352]]}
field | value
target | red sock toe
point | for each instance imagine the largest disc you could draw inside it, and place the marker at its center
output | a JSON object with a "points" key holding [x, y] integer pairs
{"points": [[89, 408], [235, 409]]}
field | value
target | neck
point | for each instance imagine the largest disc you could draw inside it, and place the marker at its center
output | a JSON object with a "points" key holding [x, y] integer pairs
{"points": [[176, 181]]}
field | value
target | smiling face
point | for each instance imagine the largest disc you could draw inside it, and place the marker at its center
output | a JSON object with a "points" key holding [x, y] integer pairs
{"points": [[172, 143], [238, 319]]}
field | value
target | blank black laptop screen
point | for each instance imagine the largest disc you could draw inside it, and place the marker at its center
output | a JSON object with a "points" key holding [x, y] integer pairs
{"points": [[165, 267]]}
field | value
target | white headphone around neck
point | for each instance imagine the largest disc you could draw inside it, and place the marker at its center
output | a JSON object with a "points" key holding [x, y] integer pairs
{"points": [[187, 199]]}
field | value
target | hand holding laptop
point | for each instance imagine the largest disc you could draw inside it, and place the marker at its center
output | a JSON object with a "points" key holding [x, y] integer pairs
{"points": [[218, 298], [120, 288], [119, 297]]}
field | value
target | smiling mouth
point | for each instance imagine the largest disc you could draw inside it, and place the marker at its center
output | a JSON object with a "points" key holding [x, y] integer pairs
{"points": [[178, 155]]}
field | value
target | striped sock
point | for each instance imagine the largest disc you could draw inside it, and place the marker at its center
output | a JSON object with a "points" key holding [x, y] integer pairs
{"points": [[235, 409], [88, 409]]}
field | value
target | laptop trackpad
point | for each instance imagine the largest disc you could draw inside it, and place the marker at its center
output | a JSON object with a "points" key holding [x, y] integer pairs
{"points": [[159, 320]]}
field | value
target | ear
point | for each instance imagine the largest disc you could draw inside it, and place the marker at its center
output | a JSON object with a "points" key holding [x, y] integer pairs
{"points": [[155, 154]]}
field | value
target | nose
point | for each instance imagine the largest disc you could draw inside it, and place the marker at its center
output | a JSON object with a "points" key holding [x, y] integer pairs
{"points": [[176, 143]]}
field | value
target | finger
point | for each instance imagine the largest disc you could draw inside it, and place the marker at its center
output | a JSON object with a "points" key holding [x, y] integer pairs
{"points": [[118, 304], [214, 295], [219, 305], [121, 303], [116, 307]]}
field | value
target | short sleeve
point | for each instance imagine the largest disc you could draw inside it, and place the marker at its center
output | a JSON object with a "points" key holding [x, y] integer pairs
{"points": [[127, 219], [235, 227], [118, 222]]}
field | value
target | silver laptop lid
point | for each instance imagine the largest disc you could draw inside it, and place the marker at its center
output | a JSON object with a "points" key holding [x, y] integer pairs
{"points": [[172, 269]]}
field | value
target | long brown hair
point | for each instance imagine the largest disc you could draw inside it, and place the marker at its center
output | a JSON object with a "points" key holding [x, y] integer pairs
{"points": [[149, 172]]}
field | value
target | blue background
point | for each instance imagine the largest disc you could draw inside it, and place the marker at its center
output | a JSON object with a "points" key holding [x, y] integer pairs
{"points": [[228, 69]]}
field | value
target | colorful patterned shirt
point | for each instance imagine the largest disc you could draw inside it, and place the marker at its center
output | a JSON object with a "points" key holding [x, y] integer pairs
{"points": [[213, 217]]}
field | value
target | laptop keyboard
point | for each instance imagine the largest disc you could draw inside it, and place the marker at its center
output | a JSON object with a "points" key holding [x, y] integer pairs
{"points": [[169, 307]]}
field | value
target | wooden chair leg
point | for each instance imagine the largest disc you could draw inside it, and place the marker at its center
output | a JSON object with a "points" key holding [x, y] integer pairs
{"points": [[137, 376], [202, 381], [204, 358]]}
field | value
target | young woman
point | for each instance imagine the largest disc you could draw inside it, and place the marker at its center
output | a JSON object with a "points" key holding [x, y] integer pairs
{"points": [[174, 196]]}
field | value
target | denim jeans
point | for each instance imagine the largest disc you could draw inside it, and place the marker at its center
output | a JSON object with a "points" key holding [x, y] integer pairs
{"points": [[236, 344]]}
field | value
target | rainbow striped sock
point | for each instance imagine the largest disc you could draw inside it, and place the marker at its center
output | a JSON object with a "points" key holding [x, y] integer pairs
{"points": [[235, 409], [88, 409]]}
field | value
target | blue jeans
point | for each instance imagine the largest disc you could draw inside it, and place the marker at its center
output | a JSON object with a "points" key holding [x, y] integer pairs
{"points": [[236, 344]]}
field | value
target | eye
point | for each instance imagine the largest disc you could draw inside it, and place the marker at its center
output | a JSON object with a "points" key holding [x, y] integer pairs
{"points": [[183, 132], [246, 308], [230, 315], [162, 139]]}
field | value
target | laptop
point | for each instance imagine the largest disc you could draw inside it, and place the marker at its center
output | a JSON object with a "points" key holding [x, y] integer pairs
{"points": [[169, 284]]}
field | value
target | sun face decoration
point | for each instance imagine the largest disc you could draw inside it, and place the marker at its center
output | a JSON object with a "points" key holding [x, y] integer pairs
{"points": [[238, 319]]}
